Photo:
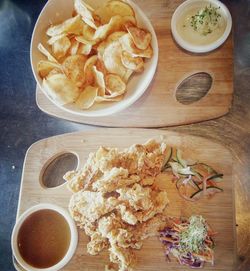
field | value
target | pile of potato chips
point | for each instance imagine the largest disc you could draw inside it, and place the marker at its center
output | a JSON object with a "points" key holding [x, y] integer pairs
{"points": [[93, 54]]}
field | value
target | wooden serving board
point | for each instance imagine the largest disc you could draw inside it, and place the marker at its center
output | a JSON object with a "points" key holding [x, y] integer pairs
{"points": [[219, 211], [158, 106]]}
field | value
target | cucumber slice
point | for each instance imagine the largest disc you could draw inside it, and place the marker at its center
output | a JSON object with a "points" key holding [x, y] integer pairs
{"points": [[209, 169], [174, 158], [179, 158], [185, 189], [178, 169], [203, 170], [186, 171], [197, 174], [216, 177], [195, 184], [197, 195], [167, 158], [175, 167], [214, 188], [210, 190]]}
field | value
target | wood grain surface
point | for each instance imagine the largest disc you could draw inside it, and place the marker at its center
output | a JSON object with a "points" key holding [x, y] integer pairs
{"points": [[219, 211], [159, 107]]}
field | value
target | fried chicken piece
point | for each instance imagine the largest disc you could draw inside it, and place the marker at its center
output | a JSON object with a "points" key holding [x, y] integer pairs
{"points": [[138, 197], [140, 203], [113, 179], [87, 206], [147, 181], [160, 202], [127, 215], [143, 160], [124, 257], [125, 239], [108, 223], [89, 227], [113, 228], [150, 227], [83, 179], [97, 244]]}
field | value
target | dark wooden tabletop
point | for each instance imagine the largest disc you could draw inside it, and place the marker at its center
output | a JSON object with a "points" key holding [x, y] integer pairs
{"points": [[22, 123]]}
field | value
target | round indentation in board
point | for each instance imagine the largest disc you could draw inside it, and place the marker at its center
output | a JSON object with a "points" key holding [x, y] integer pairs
{"points": [[193, 88], [54, 170]]}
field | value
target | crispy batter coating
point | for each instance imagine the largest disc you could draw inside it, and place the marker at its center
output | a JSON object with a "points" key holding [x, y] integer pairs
{"points": [[116, 202]]}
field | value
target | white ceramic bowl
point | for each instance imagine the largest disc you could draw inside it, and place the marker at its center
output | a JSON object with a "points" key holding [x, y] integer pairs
{"points": [[73, 234], [56, 11], [185, 6]]}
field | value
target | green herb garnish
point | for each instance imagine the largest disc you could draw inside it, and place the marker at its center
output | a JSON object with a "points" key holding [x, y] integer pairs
{"points": [[193, 237], [205, 20]]}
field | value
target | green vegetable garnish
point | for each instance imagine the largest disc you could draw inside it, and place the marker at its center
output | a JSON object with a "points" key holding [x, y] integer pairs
{"points": [[206, 20], [192, 239]]}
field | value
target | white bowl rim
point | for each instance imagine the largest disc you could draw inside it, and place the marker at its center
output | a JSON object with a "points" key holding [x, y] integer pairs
{"points": [[73, 235], [202, 48], [118, 106]]}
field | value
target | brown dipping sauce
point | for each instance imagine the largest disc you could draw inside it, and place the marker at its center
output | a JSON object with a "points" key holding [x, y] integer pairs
{"points": [[44, 238]]}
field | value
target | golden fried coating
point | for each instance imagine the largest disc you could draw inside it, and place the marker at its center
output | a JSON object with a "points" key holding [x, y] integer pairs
{"points": [[116, 202]]}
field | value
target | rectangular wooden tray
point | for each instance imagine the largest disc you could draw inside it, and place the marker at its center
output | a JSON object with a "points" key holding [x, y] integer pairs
{"points": [[219, 211], [158, 107]]}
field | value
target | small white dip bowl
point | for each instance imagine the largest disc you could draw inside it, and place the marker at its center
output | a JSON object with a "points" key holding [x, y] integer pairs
{"points": [[189, 4], [73, 237]]}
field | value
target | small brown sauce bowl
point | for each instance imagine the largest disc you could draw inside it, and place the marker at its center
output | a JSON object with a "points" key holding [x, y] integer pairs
{"points": [[44, 238]]}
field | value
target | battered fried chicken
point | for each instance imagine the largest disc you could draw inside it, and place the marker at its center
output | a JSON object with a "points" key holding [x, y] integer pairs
{"points": [[116, 202]]}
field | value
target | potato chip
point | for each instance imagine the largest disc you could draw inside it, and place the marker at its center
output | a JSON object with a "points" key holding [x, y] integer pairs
{"points": [[114, 84], [128, 45], [44, 67], [84, 49], [99, 79], [141, 38], [55, 38], [148, 53], [86, 13], [128, 21], [60, 47], [88, 32], [45, 52], [88, 6], [71, 26], [104, 30], [74, 68], [87, 97], [84, 41], [60, 89], [115, 36], [113, 8], [74, 47], [112, 59], [108, 98], [112, 37], [132, 63], [55, 71], [127, 75], [116, 24], [101, 67], [88, 70]]}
